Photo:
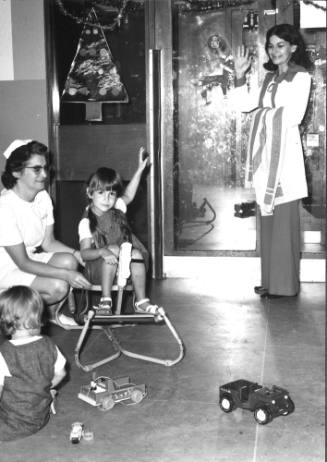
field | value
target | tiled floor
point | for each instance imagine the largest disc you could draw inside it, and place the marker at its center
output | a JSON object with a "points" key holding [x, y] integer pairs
{"points": [[228, 334]]}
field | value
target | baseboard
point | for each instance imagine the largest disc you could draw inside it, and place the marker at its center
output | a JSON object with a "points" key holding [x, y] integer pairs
{"points": [[225, 268]]}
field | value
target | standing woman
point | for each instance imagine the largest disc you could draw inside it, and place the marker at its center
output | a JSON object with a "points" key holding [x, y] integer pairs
{"points": [[29, 253], [275, 161]]}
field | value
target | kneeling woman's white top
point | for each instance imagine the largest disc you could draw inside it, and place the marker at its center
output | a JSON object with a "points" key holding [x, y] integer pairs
{"points": [[22, 222]]}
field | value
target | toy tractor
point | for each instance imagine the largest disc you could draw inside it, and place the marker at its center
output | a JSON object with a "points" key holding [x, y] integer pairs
{"points": [[104, 392]]}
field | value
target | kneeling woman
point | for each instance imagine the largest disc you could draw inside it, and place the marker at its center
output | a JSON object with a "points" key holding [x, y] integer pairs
{"points": [[29, 253]]}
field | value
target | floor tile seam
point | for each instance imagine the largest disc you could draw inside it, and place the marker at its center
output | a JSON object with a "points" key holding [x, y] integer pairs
{"points": [[255, 449], [183, 401]]}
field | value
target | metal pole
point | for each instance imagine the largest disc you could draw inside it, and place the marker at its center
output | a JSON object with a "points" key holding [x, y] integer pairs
{"points": [[156, 208]]}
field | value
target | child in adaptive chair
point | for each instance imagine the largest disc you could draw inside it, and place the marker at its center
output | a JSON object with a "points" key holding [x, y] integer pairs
{"points": [[104, 228], [31, 365]]}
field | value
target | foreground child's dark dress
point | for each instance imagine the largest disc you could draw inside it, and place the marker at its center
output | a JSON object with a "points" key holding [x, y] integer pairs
{"points": [[25, 401]]}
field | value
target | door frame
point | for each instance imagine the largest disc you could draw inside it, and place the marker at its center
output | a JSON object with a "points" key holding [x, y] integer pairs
{"points": [[167, 261]]}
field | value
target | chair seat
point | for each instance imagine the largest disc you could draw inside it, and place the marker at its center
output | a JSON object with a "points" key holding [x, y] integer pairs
{"points": [[98, 288]]}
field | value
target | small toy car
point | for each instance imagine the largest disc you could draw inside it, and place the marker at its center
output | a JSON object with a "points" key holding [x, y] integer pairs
{"points": [[264, 402], [245, 209], [76, 432], [105, 392]]}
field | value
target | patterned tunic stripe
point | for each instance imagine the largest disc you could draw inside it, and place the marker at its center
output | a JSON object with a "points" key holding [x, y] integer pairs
{"points": [[275, 154]]}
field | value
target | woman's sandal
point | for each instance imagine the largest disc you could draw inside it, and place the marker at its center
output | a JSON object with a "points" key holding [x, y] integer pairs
{"points": [[66, 322]]}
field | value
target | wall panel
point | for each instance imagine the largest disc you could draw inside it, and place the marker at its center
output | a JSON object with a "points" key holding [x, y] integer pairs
{"points": [[84, 148], [23, 97]]}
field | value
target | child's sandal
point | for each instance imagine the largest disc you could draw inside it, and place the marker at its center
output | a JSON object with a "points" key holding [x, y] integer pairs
{"points": [[104, 308], [148, 309]]}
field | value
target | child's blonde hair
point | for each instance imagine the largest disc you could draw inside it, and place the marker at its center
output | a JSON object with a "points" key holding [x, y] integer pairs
{"points": [[21, 307]]}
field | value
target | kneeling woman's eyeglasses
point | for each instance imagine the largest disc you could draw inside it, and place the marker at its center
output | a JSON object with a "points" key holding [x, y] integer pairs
{"points": [[38, 168]]}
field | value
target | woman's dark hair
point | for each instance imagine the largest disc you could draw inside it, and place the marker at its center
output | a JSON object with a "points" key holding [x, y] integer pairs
{"points": [[21, 307], [103, 179], [18, 160], [290, 34]]}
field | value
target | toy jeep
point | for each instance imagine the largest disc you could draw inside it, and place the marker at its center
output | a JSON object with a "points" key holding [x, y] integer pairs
{"points": [[105, 392], [264, 402]]}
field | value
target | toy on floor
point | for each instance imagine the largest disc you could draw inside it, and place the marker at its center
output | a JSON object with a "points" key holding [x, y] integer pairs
{"points": [[76, 432], [245, 209], [105, 392], [264, 402]]}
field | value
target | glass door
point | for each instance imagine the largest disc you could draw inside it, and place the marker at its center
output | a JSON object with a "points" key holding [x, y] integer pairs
{"points": [[208, 210], [213, 211]]}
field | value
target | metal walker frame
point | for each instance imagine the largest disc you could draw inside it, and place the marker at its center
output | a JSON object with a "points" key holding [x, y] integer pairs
{"points": [[107, 324]]}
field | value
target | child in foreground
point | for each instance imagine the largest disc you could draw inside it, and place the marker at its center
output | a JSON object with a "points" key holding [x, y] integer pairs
{"points": [[104, 228], [31, 365]]}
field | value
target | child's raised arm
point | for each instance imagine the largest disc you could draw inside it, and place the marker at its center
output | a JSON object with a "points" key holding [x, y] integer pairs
{"points": [[132, 186]]}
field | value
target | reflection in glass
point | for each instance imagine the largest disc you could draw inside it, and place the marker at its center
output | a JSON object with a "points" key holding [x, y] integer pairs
{"points": [[210, 140], [313, 128], [209, 145]]}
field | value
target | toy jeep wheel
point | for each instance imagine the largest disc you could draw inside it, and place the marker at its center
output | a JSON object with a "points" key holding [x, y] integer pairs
{"points": [[226, 403], [291, 407], [107, 404], [262, 415], [136, 396]]}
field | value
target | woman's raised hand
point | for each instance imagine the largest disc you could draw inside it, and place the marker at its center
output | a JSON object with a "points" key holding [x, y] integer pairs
{"points": [[108, 256], [77, 280], [242, 61], [77, 255]]}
